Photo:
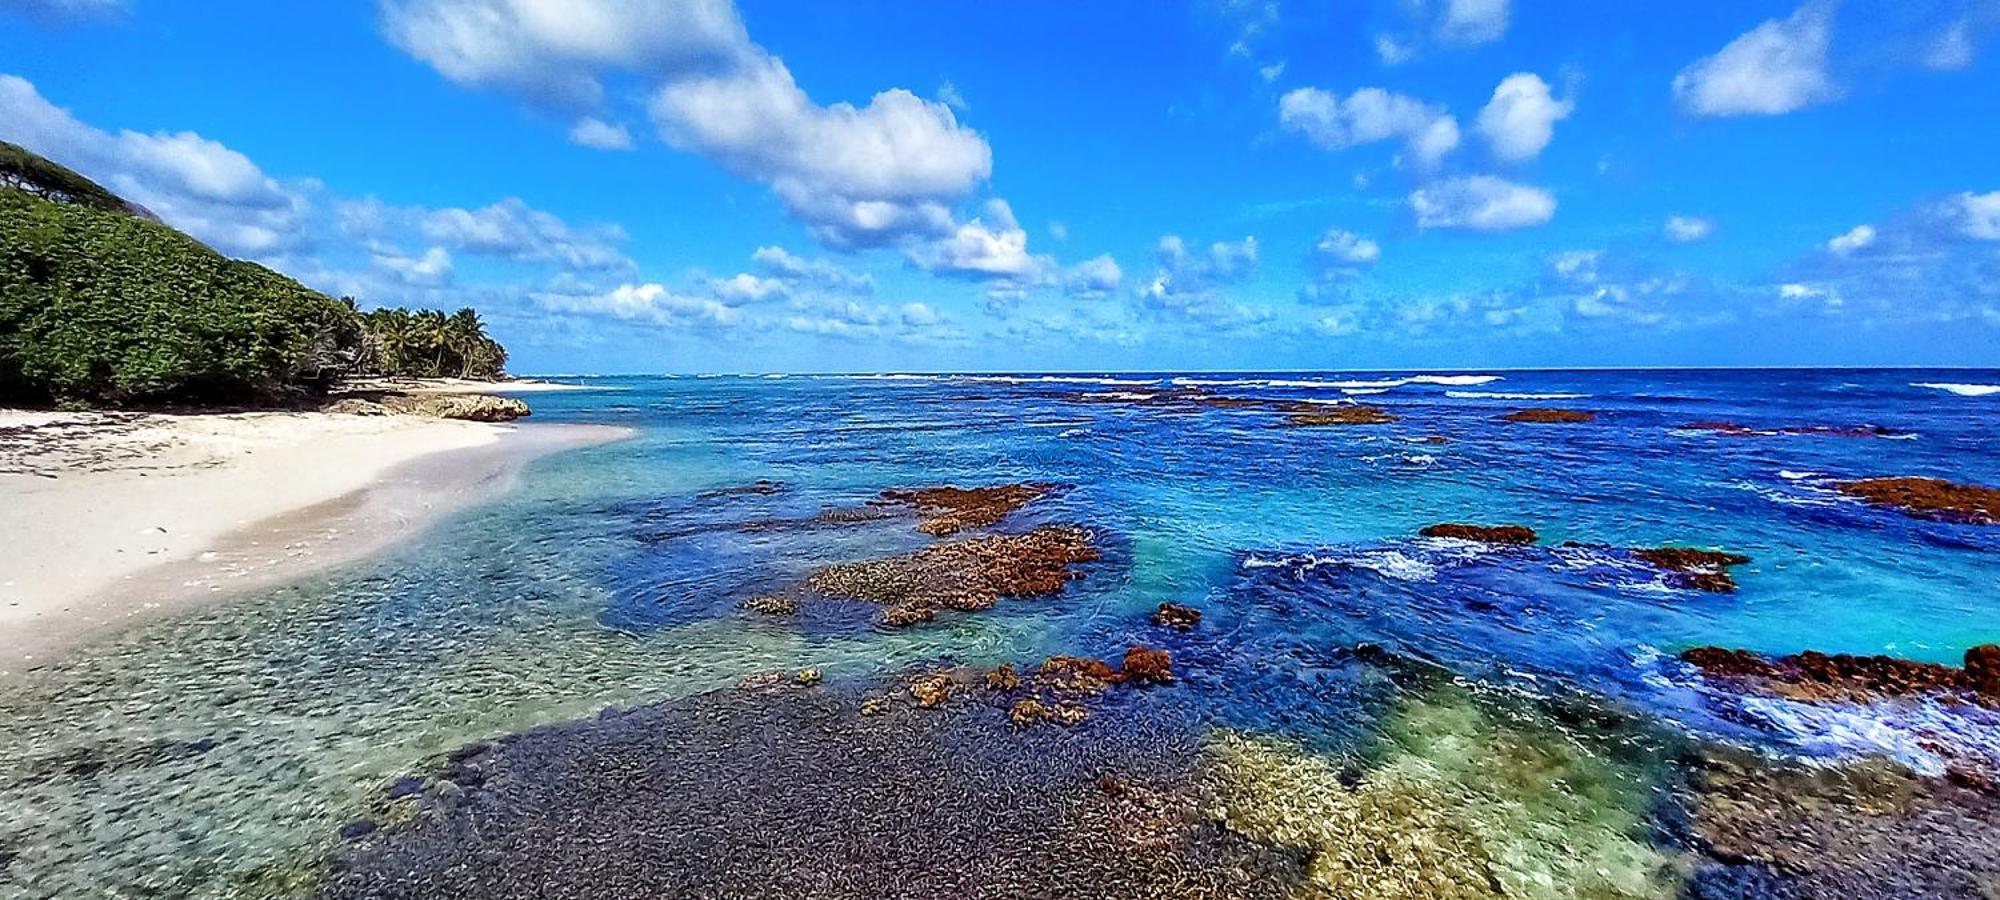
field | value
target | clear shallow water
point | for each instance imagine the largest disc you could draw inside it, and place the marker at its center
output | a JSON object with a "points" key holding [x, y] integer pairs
{"points": [[217, 755]]}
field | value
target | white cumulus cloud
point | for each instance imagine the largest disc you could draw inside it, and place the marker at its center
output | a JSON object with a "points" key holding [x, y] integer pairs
{"points": [[1481, 203], [1347, 248], [1369, 115], [1098, 276], [1858, 237], [1979, 215], [1473, 21], [1520, 119], [195, 184], [1777, 67]]}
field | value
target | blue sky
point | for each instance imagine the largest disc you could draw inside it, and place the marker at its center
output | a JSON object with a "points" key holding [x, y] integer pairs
{"points": [[696, 185]]}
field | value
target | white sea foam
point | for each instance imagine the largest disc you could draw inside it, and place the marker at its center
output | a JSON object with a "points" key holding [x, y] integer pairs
{"points": [[1351, 386], [1790, 475], [1060, 379], [1963, 390], [1503, 395]]}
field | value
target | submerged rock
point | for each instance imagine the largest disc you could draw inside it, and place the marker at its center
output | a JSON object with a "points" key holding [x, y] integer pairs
{"points": [[967, 575], [1486, 534], [790, 793], [1340, 415], [1814, 677], [1862, 830], [949, 510], [1702, 570], [1549, 416], [1177, 617], [1146, 665], [1733, 429], [1930, 498]]}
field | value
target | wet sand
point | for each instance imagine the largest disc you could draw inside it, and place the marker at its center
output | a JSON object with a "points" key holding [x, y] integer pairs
{"points": [[111, 518]]}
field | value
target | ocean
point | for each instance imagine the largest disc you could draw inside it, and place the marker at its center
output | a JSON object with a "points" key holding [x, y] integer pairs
{"points": [[1523, 708]]}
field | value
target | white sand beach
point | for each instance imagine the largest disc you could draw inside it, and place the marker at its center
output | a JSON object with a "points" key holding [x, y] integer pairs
{"points": [[111, 518]]}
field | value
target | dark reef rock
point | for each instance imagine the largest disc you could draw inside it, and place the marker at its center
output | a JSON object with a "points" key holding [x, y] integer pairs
{"points": [[967, 575], [1930, 498], [1863, 830], [1702, 570], [1982, 669], [949, 510], [1340, 415], [469, 407], [1812, 676], [1146, 665], [1485, 534], [1549, 416], [759, 488], [787, 792], [1176, 616], [1734, 429]]}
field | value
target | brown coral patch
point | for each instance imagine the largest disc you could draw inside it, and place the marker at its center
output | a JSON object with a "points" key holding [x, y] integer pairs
{"points": [[1814, 677], [1546, 416], [1177, 617], [1487, 534], [967, 575], [949, 510], [1340, 415], [1702, 570], [1147, 665], [1930, 498]]}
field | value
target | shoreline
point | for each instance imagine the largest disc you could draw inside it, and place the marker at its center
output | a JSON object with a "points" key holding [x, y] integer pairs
{"points": [[119, 519]]}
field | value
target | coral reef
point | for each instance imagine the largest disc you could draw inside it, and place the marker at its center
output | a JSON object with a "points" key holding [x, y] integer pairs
{"points": [[967, 575], [1733, 429], [786, 792], [1862, 830], [1548, 416], [1930, 498], [1702, 570], [1487, 534], [949, 510], [1340, 415], [1176, 616], [1147, 665], [1812, 676]]}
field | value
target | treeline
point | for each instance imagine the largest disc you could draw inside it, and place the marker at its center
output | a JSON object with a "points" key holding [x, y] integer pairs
{"points": [[101, 305], [426, 343]]}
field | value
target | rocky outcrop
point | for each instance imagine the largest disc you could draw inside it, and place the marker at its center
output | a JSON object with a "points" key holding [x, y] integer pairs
{"points": [[967, 575], [1814, 677], [1485, 534], [1688, 567], [467, 407], [1546, 416], [949, 510], [1177, 617], [1929, 498], [1734, 429], [1340, 415]]}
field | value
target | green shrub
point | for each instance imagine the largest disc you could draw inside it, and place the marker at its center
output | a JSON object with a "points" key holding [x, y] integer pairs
{"points": [[25, 171], [101, 307]]}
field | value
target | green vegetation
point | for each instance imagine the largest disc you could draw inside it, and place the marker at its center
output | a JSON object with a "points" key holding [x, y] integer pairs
{"points": [[25, 171], [101, 305], [427, 343]]}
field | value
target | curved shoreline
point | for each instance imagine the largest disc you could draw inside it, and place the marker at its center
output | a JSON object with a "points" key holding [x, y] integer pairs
{"points": [[245, 517]]}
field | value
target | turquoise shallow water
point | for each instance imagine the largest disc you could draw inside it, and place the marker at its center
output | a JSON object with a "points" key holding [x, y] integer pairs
{"points": [[214, 756]]}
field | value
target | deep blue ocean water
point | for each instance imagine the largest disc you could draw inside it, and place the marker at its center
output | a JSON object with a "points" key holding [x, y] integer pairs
{"points": [[613, 576]]}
